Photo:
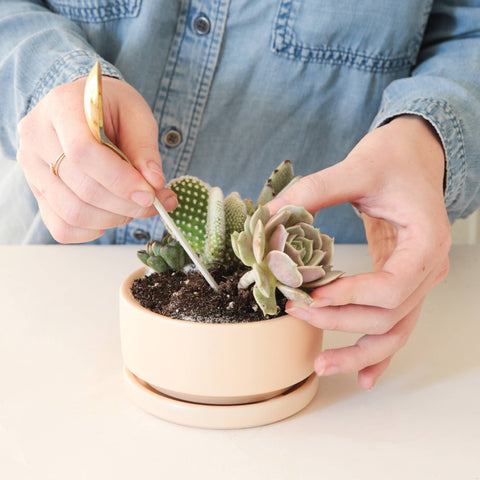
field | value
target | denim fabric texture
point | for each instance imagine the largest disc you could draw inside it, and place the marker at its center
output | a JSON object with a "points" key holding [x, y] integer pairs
{"points": [[268, 80]]}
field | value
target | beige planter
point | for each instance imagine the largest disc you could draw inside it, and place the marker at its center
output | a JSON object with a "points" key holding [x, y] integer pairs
{"points": [[213, 367]]}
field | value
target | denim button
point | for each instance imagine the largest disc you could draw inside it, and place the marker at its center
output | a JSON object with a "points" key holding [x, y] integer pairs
{"points": [[172, 138], [141, 235], [201, 25]]}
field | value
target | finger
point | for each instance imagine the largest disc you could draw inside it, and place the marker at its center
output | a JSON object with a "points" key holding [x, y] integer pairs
{"points": [[368, 376], [360, 318], [344, 182], [91, 192], [66, 204], [98, 161], [137, 136], [369, 349], [59, 229]]}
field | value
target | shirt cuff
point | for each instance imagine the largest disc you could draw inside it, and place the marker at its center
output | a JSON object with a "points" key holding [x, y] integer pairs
{"points": [[69, 67], [448, 127]]}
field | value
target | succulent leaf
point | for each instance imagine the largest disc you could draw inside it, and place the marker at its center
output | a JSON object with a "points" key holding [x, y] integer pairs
{"points": [[277, 181], [297, 215], [163, 256], [329, 277], [278, 239], [264, 280], [263, 214], [311, 273], [268, 304], [174, 255], [284, 269], [295, 294], [158, 264], [143, 256], [243, 248], [278, 219], [246, 279], [258, 241]]}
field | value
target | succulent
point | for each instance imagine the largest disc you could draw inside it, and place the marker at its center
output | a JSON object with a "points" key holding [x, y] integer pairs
{"points": [[280, 179], [207, 219], [163, 256], [286, 252]]}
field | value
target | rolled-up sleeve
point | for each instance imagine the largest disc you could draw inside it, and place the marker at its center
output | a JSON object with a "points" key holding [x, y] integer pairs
{"points": [[444, 88]]}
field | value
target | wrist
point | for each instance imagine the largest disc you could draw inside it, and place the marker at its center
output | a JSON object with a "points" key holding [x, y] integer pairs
{"points": [[425, 138]]}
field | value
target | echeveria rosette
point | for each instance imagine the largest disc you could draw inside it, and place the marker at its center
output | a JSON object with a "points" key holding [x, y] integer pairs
{"points": [[286, 252]]}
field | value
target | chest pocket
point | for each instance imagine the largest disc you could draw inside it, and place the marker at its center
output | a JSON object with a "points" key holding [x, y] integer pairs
{"points": [[95, 11], [372, 35]]}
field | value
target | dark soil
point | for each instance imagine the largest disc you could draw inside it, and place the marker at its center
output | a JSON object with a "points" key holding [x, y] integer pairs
{"points": [[187, 296]]}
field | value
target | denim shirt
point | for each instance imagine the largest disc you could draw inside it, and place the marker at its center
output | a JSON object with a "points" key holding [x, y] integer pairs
{"points": [[247, 84]]}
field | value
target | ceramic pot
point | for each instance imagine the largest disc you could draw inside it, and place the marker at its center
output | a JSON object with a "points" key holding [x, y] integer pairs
{"points": [[215, 364]]}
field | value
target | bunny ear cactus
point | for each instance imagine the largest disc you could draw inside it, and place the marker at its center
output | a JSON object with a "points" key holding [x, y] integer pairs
{"points": [[286, 252], [206, 219]]}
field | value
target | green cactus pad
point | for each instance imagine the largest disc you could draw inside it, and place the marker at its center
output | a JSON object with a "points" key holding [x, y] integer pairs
{"points": [[215, 228], [191, 214]]}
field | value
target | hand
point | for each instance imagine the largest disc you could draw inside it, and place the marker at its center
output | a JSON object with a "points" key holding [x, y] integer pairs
{"points": [[394, 176], [95, 189]]}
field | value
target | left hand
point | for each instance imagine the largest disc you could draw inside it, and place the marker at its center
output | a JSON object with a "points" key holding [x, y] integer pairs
{"points": [[394, 176]]}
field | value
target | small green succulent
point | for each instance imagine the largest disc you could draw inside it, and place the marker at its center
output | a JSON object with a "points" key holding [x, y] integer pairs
{"points": [[286, 252], [164, 255]]}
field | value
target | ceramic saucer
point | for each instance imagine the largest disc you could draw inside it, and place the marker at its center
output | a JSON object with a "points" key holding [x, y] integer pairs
{"points": [[221, 416]]}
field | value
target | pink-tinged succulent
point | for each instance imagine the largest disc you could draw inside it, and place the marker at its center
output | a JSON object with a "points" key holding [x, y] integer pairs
{"points": [[286, 252]]}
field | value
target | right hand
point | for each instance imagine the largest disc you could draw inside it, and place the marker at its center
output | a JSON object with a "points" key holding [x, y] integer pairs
{"points": [[95, 189]]}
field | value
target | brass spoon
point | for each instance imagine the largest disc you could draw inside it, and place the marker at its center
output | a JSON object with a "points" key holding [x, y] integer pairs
{"points": [[93, 106]]}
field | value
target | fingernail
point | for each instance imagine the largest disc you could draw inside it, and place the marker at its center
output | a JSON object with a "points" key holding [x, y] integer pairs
{"points": [[170, 203], [321, 302], [322, 369], [300, 313], [144, 199]]}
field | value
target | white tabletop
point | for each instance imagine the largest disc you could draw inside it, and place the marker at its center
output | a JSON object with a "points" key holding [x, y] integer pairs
{"points": [[64, 413]]}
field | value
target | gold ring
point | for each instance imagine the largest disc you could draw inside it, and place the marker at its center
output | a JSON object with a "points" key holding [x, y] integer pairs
{"points": [[54, 166]]}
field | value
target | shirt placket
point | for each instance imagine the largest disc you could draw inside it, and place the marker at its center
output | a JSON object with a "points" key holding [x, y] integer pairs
{"points": [[187, 80], [182, 95]]}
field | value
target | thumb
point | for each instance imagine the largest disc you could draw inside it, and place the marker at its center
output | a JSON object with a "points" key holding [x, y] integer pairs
{"points": [[139, 142], [343, 182], [134, 130]]}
